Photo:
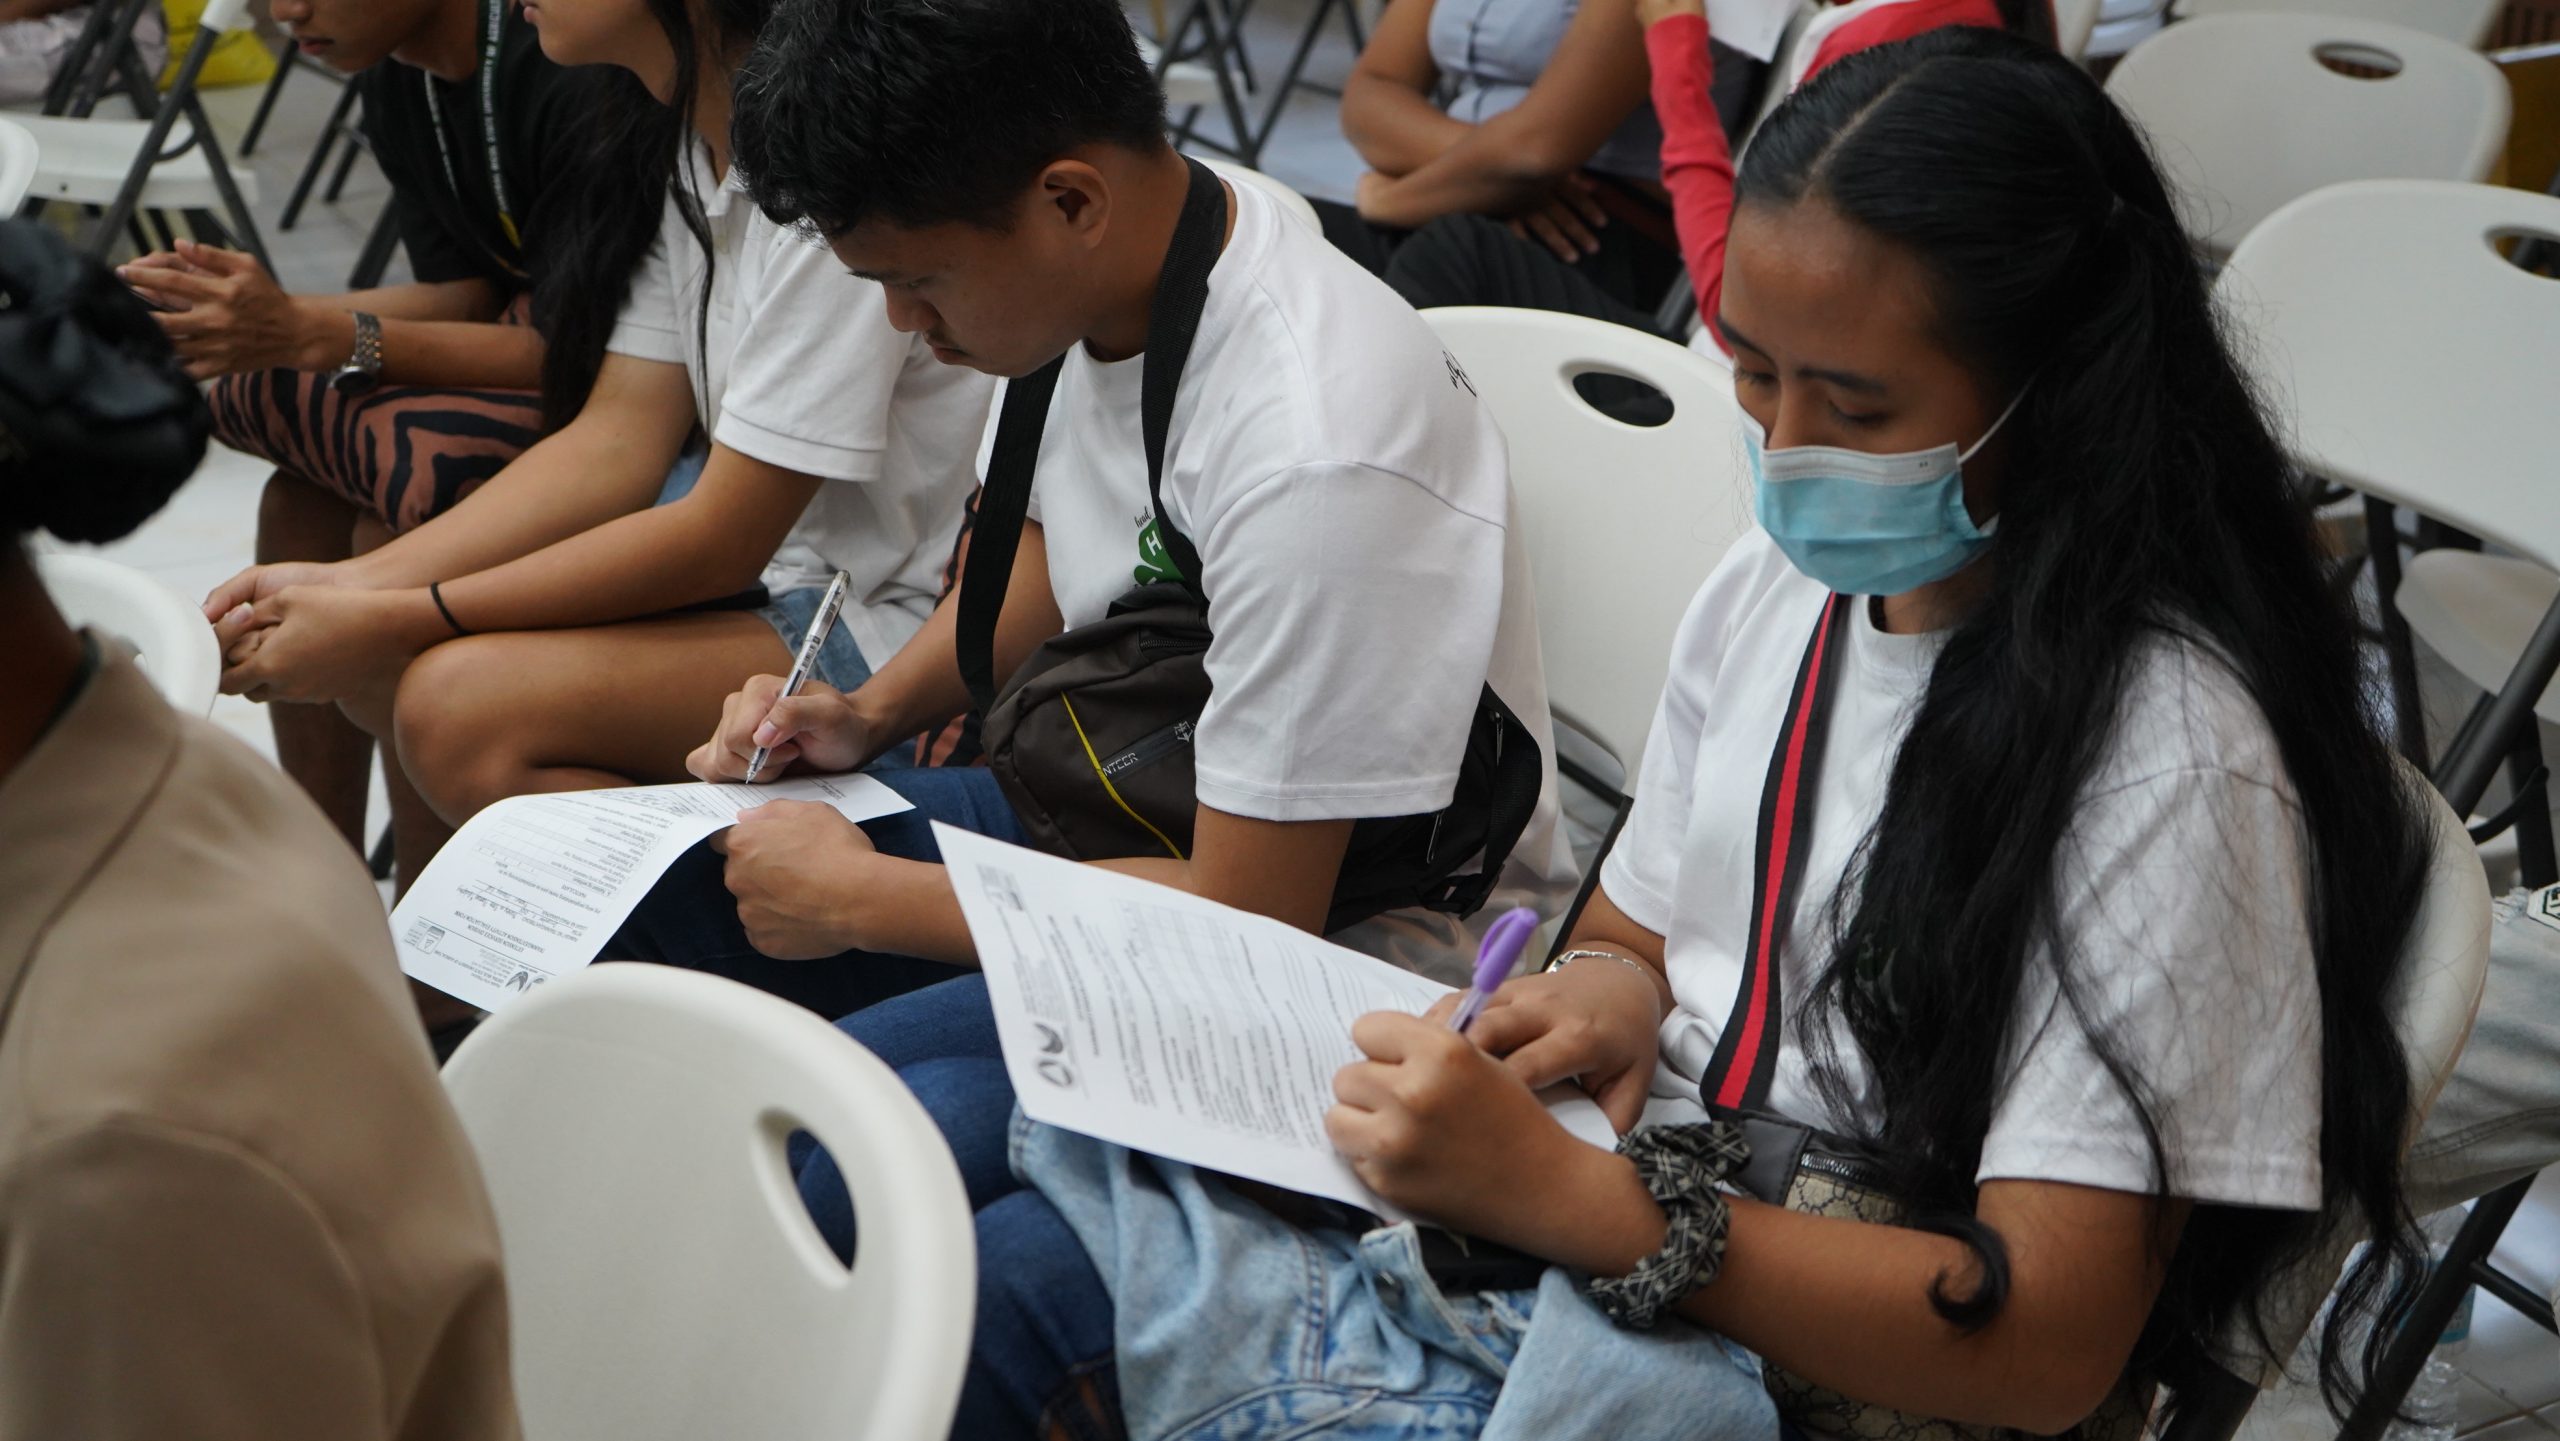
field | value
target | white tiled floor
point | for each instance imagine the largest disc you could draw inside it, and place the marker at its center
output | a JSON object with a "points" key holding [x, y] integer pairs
{"points": [[2512, 1389]]}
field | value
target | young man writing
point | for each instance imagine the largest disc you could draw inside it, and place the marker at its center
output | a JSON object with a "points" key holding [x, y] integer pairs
{"points": [[1345, 492]]}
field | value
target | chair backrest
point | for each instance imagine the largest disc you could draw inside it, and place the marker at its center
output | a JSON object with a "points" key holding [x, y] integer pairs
{"points": [[665, 1283], [168, 634], [1621, 522], [2246, 113], [2464, 22], [17, 165], [2408, 358], [2444, 969], [1291, 202]]}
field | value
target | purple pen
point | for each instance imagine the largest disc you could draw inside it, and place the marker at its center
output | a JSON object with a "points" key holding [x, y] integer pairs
{"points": [[1499, 952]]}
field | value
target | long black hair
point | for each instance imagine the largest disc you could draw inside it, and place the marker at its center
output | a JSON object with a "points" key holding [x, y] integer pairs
{"points": [[608, 212], [2146, 498]]}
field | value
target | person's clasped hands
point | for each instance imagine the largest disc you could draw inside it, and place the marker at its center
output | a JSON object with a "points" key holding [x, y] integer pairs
{"points": [[226, 314]]}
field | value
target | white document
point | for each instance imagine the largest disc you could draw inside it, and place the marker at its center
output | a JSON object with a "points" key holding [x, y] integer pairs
{"points": [[1153, 1019], [531, 888], [1753, 27]]}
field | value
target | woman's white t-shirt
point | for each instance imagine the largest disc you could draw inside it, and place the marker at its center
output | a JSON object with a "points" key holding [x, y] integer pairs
{"points": [[796, 365], [1351, 502], [2182, 887]]}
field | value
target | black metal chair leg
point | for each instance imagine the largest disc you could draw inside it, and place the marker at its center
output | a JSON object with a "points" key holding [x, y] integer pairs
{"points": [[331, 134], [2382, 543], [2437, 1301], [346, 163], [267, 102], [375, 258], [2535, 867]]}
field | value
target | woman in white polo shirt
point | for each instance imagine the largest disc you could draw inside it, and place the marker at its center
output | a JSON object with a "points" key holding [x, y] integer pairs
{"points": [[599, 640]]}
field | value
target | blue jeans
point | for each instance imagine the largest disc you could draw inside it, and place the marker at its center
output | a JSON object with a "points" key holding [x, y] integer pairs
{"points": [[1100, 1268], [689, 918], [1043, 1348]]}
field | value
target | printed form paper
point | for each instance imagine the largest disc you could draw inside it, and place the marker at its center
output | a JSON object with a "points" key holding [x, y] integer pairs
{"points": [[531, 888], [1153, 1019], [1753, 27]]}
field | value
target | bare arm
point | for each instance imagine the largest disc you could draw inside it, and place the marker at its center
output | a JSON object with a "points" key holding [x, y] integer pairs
{"points": [[227, 315], [1387, 111], [1516, 159], [608, 462]]}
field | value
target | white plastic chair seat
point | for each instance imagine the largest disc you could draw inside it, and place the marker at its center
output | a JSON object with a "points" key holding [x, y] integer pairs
{"points": [[2477, 611], [2246, 118], [1295, 204], [169, 636], [85, 161], [664, 1280], [18, 158], [1621, 522], [2464, 22]]}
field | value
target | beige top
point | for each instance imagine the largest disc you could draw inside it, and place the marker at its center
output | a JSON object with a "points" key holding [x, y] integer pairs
{"points": [[234, 1202]]}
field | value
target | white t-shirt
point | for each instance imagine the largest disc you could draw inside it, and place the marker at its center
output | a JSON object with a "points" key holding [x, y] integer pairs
{"points": [[2183, 889], [796, 365], [1351, 502]]}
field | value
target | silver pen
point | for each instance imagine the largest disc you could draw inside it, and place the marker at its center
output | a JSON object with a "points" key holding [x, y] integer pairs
{"points": [[807, 661]]}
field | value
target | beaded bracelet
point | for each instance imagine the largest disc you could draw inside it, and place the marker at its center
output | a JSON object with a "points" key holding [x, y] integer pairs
{"points": [[1683, 1168]]}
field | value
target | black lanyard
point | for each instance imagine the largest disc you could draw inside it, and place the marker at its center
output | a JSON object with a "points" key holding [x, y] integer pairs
{"points": [[1746, 1057], [492, 35], [1182, 288]]}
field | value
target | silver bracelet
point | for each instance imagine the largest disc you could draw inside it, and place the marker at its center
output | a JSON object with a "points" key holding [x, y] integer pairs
{"points": [[1563, 958]]}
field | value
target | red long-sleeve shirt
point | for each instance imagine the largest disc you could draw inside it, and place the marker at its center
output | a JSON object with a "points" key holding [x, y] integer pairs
{"points": [[1697, 159]]}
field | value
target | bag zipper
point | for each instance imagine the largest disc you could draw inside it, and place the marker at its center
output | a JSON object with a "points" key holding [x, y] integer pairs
{"points": [[1150, 749]]}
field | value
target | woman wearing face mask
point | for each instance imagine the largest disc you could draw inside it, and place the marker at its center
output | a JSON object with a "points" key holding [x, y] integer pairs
{"points": [[2067, 897]]}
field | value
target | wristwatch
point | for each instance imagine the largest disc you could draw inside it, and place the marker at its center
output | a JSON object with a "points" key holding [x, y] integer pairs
{"points": [[363, 370]]}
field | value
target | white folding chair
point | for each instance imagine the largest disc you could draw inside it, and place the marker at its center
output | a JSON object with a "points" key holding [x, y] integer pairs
{"points": [[167, 632], [17, 164], [2445, 969], [1290, 200], [665, 1283], [126, 166], [2464, 22], [2342, 289], [1621, 522], [2246, 113]]}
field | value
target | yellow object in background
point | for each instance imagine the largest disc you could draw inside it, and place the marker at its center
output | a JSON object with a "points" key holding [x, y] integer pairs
{"points": [[237, 59]]}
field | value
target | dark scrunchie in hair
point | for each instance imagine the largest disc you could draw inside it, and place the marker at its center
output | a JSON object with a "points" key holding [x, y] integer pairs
{"points": [[98, 422]]}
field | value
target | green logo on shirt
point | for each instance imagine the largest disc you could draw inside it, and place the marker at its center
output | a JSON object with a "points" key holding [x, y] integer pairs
{"points": [[1154, 565]]}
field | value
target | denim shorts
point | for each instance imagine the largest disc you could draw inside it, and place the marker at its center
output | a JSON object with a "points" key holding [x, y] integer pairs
{"points": [[840, 662]]}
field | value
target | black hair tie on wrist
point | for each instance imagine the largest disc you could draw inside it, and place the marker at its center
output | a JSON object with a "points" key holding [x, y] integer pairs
{"points": [[1683, 1167], [435, 592]]}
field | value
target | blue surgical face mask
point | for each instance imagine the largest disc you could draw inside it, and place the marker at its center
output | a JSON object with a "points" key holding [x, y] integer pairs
{"points": [[1868, 524]]}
